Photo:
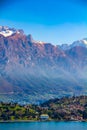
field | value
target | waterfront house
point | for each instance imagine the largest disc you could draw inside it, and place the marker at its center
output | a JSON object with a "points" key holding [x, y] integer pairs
{"points": [[44, 117]]}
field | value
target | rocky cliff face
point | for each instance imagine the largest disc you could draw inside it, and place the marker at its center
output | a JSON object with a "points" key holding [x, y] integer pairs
{"points": [[37, 71]]}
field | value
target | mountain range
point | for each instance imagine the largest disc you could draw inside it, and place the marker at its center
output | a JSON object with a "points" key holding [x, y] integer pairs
{"points": [[34, 71]]}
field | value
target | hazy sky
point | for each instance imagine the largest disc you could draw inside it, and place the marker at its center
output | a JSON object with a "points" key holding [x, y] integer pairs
{"points": [[55, 21]]}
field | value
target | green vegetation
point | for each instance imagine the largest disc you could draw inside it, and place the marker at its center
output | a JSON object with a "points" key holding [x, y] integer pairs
{"points": [[74, 108]]}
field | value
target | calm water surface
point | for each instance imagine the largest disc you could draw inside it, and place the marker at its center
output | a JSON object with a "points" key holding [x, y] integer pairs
{"points": [[44, 126]]}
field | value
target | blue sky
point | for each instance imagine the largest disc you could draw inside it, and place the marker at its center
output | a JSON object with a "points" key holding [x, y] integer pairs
{"points": [[55, 21]]}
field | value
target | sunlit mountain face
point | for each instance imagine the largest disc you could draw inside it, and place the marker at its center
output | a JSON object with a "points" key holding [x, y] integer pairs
{"points": [[35, 71]]}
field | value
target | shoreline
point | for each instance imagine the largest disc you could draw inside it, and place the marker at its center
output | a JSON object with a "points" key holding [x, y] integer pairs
{"points": [[29, 121]]}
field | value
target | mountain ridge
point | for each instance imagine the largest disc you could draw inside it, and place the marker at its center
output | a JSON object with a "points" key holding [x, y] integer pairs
{"points": [[6, 29], [31, 71]]}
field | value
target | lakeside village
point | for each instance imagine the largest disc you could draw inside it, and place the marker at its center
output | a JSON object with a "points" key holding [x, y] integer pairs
{"points": [[64, 109]]}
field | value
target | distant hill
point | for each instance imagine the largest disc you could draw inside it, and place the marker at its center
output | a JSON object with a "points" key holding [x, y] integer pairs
{"points": [[35, 71]]}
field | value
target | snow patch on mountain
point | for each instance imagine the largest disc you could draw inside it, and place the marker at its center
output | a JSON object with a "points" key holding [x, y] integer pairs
{"points": [[85, 42], [6, 31], [82, 43]]}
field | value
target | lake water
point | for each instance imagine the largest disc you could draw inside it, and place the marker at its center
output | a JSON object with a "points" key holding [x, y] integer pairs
{"points": [[44, 126]]}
